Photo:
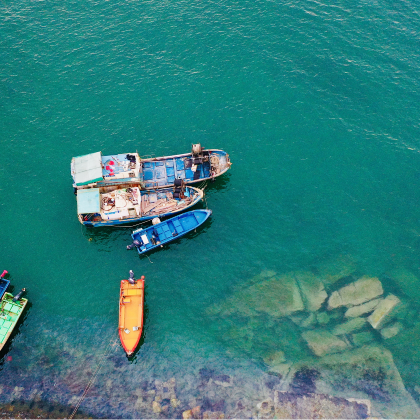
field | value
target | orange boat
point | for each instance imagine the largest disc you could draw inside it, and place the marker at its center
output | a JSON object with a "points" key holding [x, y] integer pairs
{"points": [[131, 313]]}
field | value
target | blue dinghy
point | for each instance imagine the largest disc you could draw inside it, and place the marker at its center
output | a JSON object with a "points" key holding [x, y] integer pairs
{"points": [[161, 233], [4, 283]]}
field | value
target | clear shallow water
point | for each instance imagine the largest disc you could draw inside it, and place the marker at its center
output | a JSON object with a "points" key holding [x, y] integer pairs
{"points": [[317, 105]]}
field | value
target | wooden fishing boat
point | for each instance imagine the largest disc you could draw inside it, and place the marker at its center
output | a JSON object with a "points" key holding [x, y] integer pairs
{"points": [[198, 165], [159, 234], [131, 314], [10, 312], [95, 170], [4, 283], [115, 206]]}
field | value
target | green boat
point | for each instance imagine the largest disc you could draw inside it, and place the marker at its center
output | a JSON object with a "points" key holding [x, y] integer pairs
{"points": [[10, 313]]}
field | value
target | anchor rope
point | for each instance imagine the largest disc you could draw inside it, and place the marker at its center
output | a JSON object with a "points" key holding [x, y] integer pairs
{"points": [[92, 379]]}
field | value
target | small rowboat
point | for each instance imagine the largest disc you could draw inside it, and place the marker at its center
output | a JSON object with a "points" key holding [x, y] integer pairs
{"points": [[131, 314], [10, 312], [157, 235]]}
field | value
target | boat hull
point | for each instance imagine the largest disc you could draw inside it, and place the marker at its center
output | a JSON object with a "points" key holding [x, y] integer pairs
{"points": [[131, 311], [158, 235], [10, 313], [195, 195]]}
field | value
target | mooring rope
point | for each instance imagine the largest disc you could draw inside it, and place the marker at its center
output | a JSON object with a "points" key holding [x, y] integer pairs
{"points": [[92, 380]]}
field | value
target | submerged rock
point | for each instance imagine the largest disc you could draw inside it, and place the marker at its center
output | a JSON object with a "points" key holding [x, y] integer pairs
{"points": [[277, 296], [323, 342], [391, 330], [275, 358], [322, 318], [266, 409], [281, 370], [312, 289], [213, 415], [349, 326], [365, 308], [362, 338], [308, 321], [383, 311], [356, 293], [319, 406]]}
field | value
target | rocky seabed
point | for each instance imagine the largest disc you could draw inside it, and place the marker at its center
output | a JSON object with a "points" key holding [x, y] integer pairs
{"points": [[313, 343]]}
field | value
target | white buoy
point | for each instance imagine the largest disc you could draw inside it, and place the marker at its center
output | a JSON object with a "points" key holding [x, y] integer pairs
{"points": [[155, 221]]}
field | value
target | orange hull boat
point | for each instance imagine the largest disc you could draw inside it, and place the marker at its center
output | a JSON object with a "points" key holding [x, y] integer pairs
{"points": [[131, 314]]}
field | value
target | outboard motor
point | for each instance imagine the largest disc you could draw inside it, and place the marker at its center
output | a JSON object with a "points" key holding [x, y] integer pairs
{"points": [[131, 279], [19, 295], [136, 244], [196, 149]]}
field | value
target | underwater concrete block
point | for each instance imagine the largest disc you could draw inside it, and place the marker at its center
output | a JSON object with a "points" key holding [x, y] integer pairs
{"points": [[383, 311], [391, 330], [278, 296], [356, 293], [349, 326], [312, 290], [365, 308], [335, 269], [323, 342]]}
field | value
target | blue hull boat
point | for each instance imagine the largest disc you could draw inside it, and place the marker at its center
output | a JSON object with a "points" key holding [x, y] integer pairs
{"points": [[100, 207], [4, 284], [96, 171], [157, 235], [197, 166]]}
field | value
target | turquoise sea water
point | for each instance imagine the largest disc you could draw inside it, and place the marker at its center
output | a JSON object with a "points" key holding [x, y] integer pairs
{"points": [[317, 105]]}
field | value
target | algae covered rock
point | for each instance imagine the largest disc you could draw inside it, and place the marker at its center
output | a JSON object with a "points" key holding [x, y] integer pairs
{"points": [[349, 326], [323, 342], [391, 330], [362, 338], [383, 311], [366, 372], [275, 358], [356, 293], [312, 290], [277, 296]]}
